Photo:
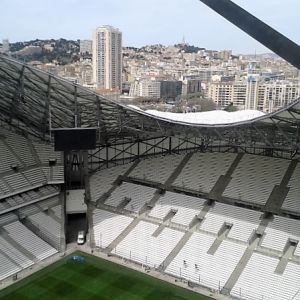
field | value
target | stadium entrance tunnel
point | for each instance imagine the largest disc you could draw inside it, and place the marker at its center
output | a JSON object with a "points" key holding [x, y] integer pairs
{"points": [[74, 224]]}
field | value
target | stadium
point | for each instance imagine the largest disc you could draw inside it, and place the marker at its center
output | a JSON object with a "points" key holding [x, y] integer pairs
{"points": [[212, 206]]}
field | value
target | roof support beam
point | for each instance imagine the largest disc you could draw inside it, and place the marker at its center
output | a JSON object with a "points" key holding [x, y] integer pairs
{"points": [[47, 112], [257, 29], [19, 95]]}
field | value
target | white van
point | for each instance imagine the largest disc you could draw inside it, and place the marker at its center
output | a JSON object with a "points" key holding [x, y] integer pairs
{"points": [[80, 237]]}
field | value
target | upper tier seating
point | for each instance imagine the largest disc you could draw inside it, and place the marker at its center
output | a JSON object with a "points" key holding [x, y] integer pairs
{"points": [[27, 197], [156, 169], [292, 199], [203, 170], [22, 148], [35, 176], [46, 152], [7, 158], [252, 181], [255, 177], [102, 181]]}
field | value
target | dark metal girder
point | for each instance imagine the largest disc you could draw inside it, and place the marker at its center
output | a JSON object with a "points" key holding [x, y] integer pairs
{"points": [[257, 29]]}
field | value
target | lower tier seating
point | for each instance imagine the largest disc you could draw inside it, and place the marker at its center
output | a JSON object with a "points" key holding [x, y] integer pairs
{"points": [[259, 281], [107, 226]]}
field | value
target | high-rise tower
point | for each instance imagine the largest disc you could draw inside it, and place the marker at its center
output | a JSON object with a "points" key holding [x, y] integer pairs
{"points": [[107, 58]]}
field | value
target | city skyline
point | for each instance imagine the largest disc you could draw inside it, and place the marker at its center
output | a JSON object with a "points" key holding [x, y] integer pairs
{"points": [[146, 23]]}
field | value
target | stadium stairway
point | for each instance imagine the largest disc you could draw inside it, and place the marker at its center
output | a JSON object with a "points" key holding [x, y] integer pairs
{"points": [[240, 266], [264, 223], [192, 228], [16, 245], [116, 183], [13, 152], [175, 251], [155, 198], [148, 206], [288, 254], [122, 236], [221, 184], [34, 153], [123, 203], [280, 192], [132, 225], [254, 242], [8, 187], [222, 235], [178, 169]]}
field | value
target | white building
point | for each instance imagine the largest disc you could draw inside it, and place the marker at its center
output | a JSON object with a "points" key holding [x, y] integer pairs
{"points": [[107, 58], [145, 87], [254, 94]]}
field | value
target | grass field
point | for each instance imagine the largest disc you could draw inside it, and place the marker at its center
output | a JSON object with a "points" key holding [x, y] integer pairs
{"points": [[96, 279]]}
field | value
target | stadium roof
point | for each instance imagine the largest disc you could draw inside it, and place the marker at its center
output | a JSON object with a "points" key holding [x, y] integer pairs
{"points": [[37, 102], [214, 117]]}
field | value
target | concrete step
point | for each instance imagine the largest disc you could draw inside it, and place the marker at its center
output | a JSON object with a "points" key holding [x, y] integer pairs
{"points": [[178, 170], [123, 203], [175, 251], [288, 253], [239, 268], [131, 168], [154, 199], [289, 173], [115, 184], [263, 224], [279, 192], [224, 231], [207, 206], [159, 230], [122, 235], [219, 188], [276, 198], [169, 215], [223, 181]]}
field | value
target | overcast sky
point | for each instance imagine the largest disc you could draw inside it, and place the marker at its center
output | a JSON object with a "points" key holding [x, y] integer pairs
{"points": [[145, 22]]}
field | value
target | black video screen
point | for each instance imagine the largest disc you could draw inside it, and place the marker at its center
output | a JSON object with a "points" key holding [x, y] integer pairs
{"points": [[74, 139]]}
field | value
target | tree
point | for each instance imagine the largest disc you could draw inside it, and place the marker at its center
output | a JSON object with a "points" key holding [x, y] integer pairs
{"points": [[230, 108]]}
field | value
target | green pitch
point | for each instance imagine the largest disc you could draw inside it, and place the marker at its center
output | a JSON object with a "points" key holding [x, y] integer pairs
{"points": [[96, 279]]}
